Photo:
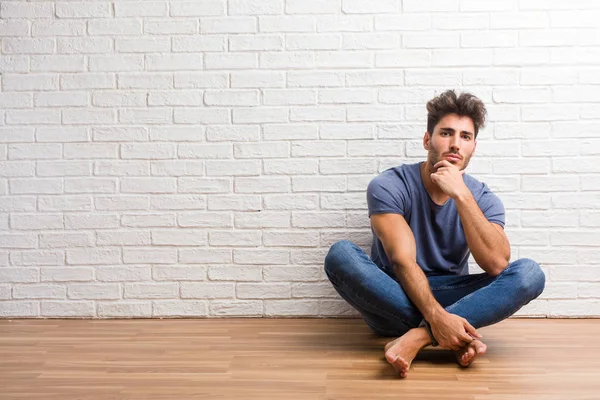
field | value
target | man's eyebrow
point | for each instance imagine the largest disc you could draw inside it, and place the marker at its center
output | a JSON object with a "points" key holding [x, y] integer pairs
{"points": [[452, 130]]}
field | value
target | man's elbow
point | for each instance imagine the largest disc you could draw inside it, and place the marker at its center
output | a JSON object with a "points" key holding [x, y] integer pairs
{"points": [[495, 267]]}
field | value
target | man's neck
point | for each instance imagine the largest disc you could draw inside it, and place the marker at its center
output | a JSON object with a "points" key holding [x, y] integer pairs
{"points": [[437, 195]]}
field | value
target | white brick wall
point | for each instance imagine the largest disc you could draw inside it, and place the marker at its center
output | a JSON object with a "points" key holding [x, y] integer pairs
{"points": [[180, 158]]}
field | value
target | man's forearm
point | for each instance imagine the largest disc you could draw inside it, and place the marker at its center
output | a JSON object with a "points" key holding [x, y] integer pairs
{"points": [[489, 247], [416, 286]]}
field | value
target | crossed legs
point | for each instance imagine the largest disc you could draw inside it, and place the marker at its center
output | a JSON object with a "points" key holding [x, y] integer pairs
{"points": [[481, 299]]}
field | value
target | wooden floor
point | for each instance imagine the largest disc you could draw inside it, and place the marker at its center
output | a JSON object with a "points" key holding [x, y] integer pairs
{"points": [[286, 359]]}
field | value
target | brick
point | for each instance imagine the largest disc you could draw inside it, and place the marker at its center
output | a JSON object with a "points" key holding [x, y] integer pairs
{"points": [[148, 220], [19, 309], [291, 202], [177, 168], [318, 220], [318, 184], [377, 6], [168, 273], [122, 273], [287, 24], [212, 151], [92, 45], [149, 255], [19, 275], [55, 27], [144, 80], [150, 290], [124, 309], [319, 149], [148, 185], [93, 256], [34, 151], [205, 220], [290, 167], [68, 274], [68, 239], [117, 27], [166, 27], [255, 43], [90, 291], [193, 9], [12, 240], [229, 25], [235, 273], [315, 79], [247, 7], [287, 60], [263, 291], [346, 96], [235, 238], [231, 98], [290, 132], [91, 221], [207, 290], [313, 42], [248, 308], [289, 97], [178, 202], [202, 116], [179, 237], [122, 238], [40, 291], [263, 219], [260, 256], [205, 256], [12, 169], [141, 9], [176, 308], [36, 221], [258, 79]]}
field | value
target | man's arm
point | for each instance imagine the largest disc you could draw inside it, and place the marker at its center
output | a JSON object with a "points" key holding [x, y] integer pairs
{"points": [[450, 330], [487, 241]]}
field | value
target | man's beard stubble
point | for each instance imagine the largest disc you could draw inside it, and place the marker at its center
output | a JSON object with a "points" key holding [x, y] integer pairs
{"points": [[435, 157]]}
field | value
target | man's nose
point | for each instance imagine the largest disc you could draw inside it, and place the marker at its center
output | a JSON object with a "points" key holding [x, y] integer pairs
{"points": [[455, 142]]}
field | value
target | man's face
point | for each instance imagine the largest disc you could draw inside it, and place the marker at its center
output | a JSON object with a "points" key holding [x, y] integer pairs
{"points": [[452, 139]]}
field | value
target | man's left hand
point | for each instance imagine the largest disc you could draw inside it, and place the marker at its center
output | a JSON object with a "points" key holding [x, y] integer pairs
{"points": [[450, 179]]}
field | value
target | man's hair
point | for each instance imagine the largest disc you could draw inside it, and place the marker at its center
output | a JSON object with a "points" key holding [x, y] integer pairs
{"points": [[465, 105]]}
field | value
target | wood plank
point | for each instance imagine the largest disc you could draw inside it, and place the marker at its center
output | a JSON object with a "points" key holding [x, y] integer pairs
{"points": [[289, 359]]}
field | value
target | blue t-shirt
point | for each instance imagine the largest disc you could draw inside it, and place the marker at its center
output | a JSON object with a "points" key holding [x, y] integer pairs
{"points": [[440, 239]]}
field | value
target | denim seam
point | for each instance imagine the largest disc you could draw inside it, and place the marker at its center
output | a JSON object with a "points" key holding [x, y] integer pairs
{"points": [[495, 280], [374, 309]]}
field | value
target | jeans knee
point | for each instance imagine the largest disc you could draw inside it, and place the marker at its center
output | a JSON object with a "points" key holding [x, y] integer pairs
{"points": [[335, 257], [532, 279]]}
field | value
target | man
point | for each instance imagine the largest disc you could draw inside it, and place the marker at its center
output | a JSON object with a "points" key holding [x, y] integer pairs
{"points": [[426, 219]]}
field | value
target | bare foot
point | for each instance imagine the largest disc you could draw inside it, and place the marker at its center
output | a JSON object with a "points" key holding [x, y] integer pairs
{"points": [[400, 352], [470, 352]]}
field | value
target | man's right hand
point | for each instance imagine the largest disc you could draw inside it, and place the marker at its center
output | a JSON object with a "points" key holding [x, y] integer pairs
{"points": [[451, 331]]}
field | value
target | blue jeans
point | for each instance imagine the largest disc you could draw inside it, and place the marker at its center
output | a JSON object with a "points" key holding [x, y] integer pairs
{"points": [[479, 298]]}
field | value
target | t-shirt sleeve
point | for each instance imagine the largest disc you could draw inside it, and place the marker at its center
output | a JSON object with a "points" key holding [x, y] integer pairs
{"points": [[492, 206], [386, 195]]}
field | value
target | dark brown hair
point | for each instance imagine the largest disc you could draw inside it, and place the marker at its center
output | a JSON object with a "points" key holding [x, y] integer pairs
{"points": [[465, 105]]}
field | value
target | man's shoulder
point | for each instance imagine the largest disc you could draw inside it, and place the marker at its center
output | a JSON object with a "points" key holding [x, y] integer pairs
{"points": [[397, 174]]}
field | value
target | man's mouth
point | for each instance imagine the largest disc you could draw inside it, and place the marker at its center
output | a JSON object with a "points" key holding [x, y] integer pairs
{"points": [[453, 157]]}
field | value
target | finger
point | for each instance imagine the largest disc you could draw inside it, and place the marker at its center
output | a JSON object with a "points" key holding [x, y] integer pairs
{"points": [[463, 172], [466, 338], [471, 330], [443, 163]]}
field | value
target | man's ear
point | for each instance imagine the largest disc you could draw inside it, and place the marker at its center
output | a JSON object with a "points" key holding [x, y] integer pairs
{"points": [[426, 140]]}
